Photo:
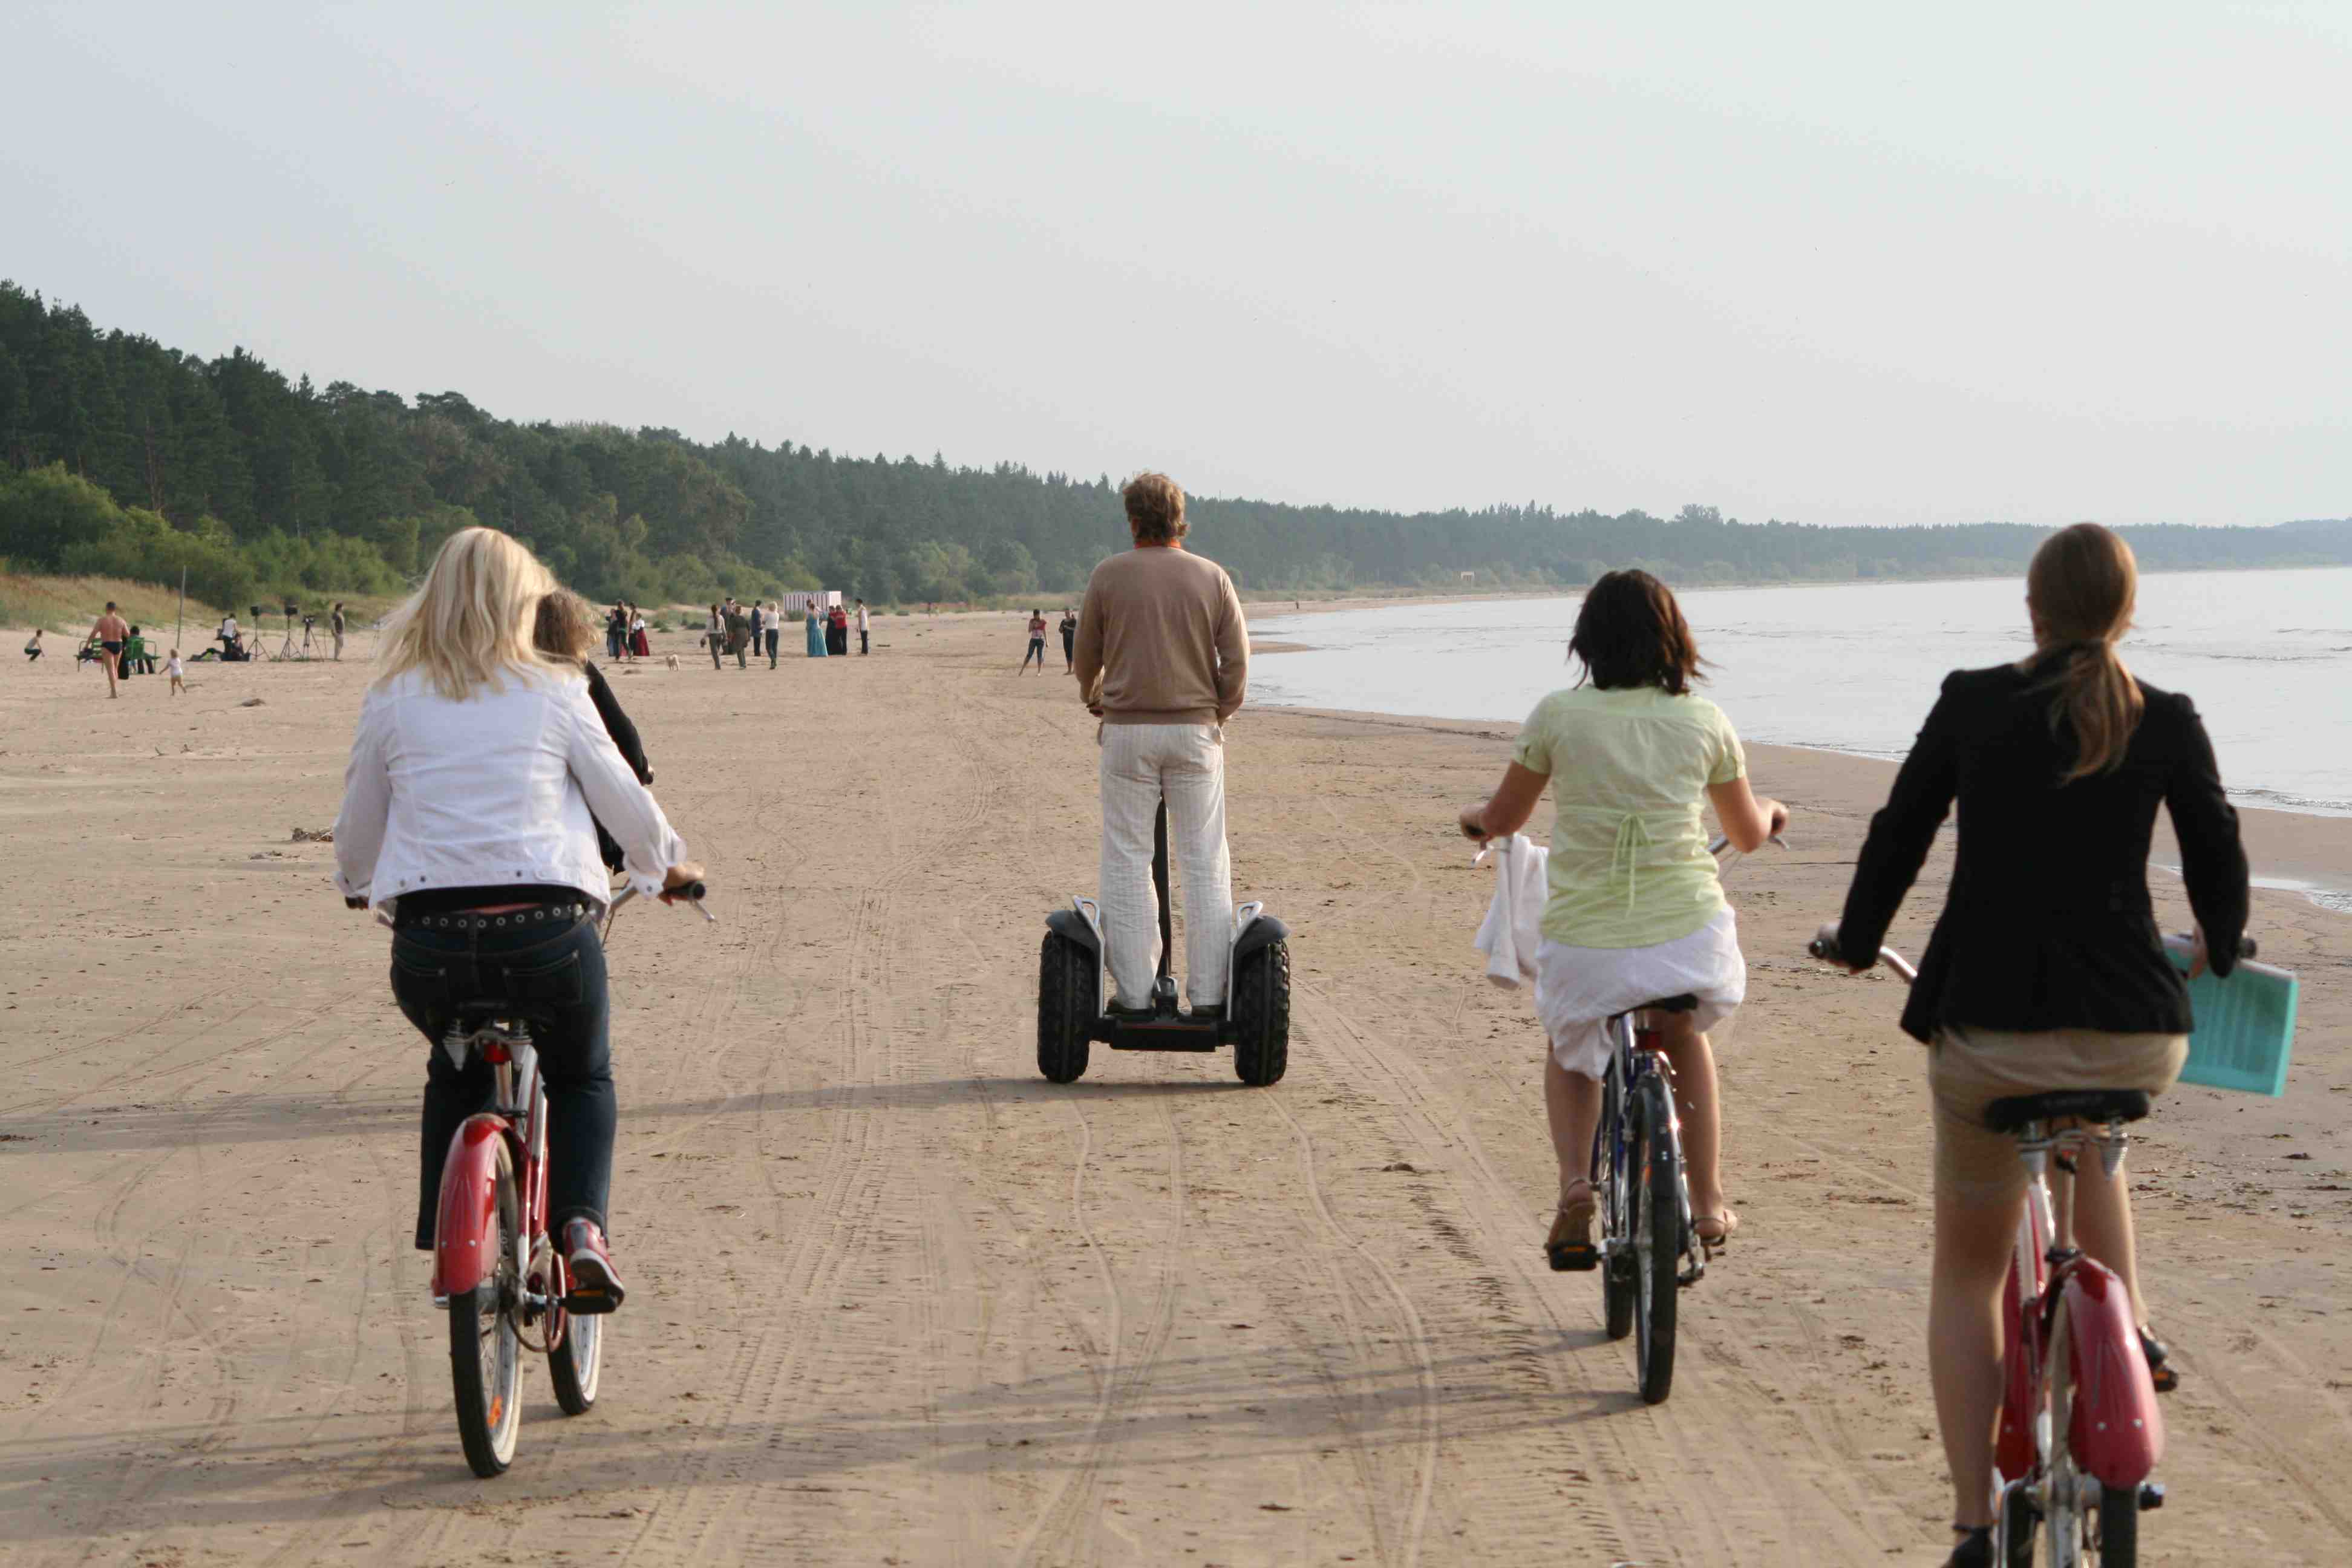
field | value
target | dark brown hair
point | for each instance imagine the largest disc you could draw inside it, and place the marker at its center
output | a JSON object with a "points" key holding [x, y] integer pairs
{"points": [[1629, 632], [2081, 589], [1155, 508], [563, 625]]}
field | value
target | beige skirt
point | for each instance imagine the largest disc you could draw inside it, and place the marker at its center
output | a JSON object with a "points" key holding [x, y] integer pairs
{"points": [[1968, 1068]]}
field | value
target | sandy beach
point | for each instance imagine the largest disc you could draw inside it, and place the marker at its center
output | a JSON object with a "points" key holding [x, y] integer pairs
{"points": [[896, 1299]]}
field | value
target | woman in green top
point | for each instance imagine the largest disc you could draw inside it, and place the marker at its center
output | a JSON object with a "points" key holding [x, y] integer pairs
{"points": [[1634, 910]]}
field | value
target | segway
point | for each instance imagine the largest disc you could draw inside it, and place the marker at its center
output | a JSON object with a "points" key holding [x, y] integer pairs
{"points": [[1072, 1013]]}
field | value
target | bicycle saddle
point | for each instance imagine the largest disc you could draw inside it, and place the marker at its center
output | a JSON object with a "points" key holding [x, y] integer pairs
{"points": [[2007, 1115], [1683, 1003]]}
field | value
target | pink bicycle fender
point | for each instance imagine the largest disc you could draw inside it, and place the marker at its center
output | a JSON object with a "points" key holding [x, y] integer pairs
{"points": [[469, 1196], [2013, 1444], [2117, 1432]]}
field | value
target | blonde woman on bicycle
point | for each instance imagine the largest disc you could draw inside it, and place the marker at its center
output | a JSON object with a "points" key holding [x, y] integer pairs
{"points": [[1635, 910], [2046, 970], [467, 818]]}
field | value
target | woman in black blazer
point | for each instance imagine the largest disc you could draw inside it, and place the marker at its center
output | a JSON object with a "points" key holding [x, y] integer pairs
{"points": [[2046, 970]]}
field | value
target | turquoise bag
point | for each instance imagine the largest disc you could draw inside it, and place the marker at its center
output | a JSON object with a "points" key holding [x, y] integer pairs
{"points": [[2245, 1025]]}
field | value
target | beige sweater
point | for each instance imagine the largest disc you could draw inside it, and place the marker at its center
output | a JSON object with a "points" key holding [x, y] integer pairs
{"points": [[1161, 640]]}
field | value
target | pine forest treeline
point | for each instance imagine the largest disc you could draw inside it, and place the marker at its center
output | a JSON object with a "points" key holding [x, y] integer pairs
{"points": [[123, 457]]}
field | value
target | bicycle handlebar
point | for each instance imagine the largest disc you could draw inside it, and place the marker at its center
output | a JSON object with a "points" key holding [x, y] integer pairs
{"points": [[1824, 947]]}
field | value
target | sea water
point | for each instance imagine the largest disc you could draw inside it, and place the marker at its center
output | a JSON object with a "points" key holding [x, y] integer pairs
{"points": [[2267, 655]]}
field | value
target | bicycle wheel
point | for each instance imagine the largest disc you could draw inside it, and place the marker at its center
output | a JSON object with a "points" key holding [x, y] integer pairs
{"points": [[577, 1363], [1658, 1240], [485, 1352], [1618, 1292], [2118, 1542]]}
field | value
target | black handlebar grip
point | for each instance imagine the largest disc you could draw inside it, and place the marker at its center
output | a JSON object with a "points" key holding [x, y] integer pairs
{"points": [[692, 891], [1821, 949], [2246, 947]]}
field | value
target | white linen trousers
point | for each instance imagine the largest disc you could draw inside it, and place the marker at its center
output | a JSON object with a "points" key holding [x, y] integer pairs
{"points": [[1186, 763]]}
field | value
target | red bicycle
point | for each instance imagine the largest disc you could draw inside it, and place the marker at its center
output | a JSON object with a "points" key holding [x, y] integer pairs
{"points": [[504, 1282], [2079, 1432]]}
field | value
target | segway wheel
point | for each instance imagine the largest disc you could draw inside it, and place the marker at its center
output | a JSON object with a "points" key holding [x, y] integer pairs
{"points": [[1067, 977], [1262, 1014]]}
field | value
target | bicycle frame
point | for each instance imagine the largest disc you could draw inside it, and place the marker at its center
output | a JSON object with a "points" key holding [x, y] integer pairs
{"points": [[514, 1131], [1634, 1054], [2071, 1336]]}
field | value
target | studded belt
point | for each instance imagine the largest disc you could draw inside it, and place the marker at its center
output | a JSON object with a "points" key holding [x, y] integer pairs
{"points": [[538, 915]]}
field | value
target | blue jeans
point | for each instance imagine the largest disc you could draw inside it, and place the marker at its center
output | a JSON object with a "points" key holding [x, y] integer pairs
{"points": [[560, 983]]}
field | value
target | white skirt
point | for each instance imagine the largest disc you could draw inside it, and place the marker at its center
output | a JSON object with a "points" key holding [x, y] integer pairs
{"points": [[1580, 989]]}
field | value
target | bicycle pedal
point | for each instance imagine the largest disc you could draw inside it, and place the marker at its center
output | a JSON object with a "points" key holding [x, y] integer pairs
{"points": [[588, 1306], [2151, 1496]]}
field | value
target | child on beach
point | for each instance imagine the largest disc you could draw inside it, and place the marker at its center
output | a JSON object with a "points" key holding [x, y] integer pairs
{"points": [[1634, 910], [171, 667]]}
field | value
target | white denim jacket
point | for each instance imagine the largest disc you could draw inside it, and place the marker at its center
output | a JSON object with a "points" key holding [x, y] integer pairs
{"points": [[495, 789]]}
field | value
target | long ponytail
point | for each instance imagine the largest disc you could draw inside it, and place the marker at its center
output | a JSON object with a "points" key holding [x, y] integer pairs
{"points": [[2081, 587]]}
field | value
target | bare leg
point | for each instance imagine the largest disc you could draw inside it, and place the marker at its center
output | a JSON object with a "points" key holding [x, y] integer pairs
{"points": [[1572, 1106], [1964, 1341], [2103, 1225], [1701, 1109]]}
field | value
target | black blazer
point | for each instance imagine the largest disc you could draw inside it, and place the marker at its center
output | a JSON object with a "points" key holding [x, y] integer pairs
{"points": [[2048, 923]]}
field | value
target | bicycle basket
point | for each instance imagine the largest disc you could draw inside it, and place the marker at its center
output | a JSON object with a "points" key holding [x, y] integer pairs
{"points": [[2245, 1026]]}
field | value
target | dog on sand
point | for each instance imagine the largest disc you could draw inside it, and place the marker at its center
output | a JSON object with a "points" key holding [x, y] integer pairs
{"points": [[671, 659]]}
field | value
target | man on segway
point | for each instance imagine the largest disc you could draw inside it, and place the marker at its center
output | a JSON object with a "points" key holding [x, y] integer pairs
{"points": [[1163, 659]]}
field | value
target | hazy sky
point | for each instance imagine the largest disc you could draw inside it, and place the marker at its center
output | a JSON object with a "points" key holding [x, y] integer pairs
{"points": [[1838, 263]]}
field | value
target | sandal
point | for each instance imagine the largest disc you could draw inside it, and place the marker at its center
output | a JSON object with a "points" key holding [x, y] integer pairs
{"points": [[1727, 1225], [1569, 1247], [2159, 1354], [1974, 1549]]}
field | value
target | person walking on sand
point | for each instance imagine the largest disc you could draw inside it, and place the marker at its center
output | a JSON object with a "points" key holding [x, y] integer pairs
{"points": [[32, 647], [1163, 661], [714, 635], [865, 626], [1036, 643], [2047, 972], [738, 633], [335, 630], [775, 629], [759, 623], [1634, 909], [110, 632], [171, 667], [640, 646], [1069, 640]]}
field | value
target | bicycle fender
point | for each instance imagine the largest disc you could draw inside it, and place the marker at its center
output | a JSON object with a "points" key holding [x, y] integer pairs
{"points": [[2013, 1453], [1261, 933], [469, 1210], [2115, 1430]]}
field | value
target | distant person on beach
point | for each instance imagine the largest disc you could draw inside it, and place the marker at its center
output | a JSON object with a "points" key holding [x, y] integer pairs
{"points": [[617, 631], [110, 632], [1634, 909], [775, 629], [335, 630], [837, 631], [32, 647], [1069, 639], [1036, 643], [1163, 661], [2046, 970], [640, 646], [173, 668], [139, 653], [757, 619], [738, 633], [865, 625], [814, 626], [714, 635]]}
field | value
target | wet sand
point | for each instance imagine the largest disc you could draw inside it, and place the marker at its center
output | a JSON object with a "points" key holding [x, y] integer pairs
{"points": [[895, 1299]]}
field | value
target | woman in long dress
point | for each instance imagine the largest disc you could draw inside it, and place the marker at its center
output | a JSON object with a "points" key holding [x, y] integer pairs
{"points": [[814, 626]]}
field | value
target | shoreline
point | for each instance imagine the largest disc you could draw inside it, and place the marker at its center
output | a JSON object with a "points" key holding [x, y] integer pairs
{"points": [[2305, 852]]}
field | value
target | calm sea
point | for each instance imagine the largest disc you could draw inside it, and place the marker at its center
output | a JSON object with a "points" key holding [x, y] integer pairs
{"points": [[2266, 655]]}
